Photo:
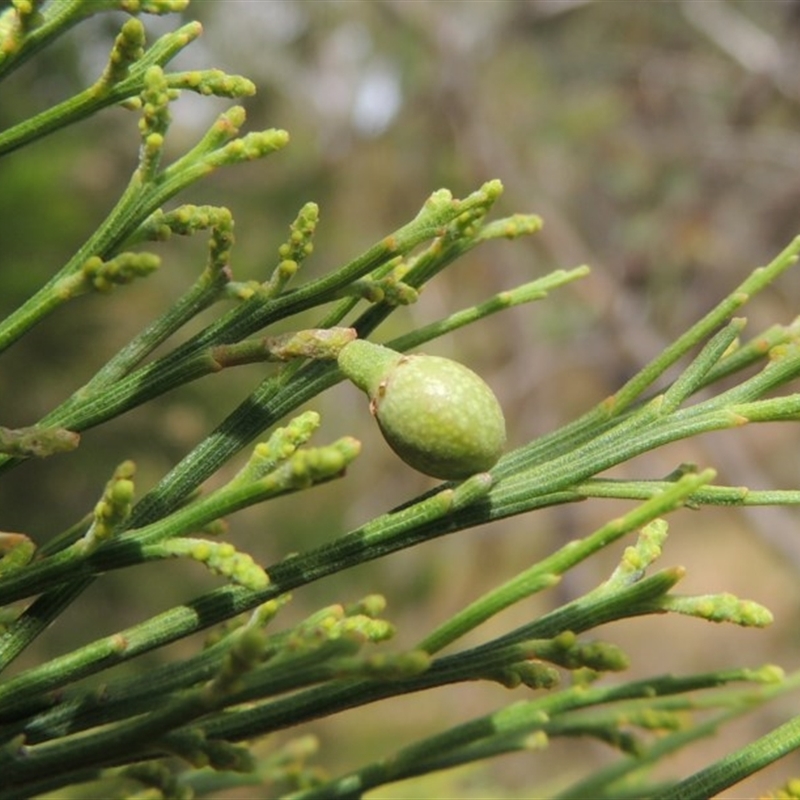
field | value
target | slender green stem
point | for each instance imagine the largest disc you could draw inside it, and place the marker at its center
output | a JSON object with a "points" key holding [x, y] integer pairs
{"points": [[231, 600], [203, 293], [279, 395], [303, 469], [56, 19], [756, 282], [691, 379], [99, 96], [704, 496], [547, 572], [601, 416], [733, 768], [141, 198], [49, 296], [257, 312], [559, 468], [123, 741], [514, 723], [638, 433], [37, 618], [90, 406], [753, 351], [47, 718], [188, 362], [528, 292]]}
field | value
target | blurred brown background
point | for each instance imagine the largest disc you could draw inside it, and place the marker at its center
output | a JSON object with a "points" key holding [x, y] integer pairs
{"points": [[661, 144]]}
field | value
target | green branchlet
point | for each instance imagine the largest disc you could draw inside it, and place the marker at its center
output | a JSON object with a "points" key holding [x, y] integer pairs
{"points": [[547, 572], [102, 276], [370, 606], [212, 82], [723, 607], [533, 674], [295, 249], [15, 24], [578, 710], [16, 550], [154, 121], [389, 289], [320, 344], [384, 667], [249, 147], [336, 622], [691, 379], [29, 25], [741, 356], [566, 651], [739, 764], [255, 313], [525, 293], [246, 652], [302, 469], [123, 78], [224, 129], [638, 557], [112, 510], [209, 288], [331, 638], [221, 242], [289, 764], [192, 745], [221, 558], [512, 227], [128, 48], [240, 664], [470, 491], [143, 196], [258, 618], [183, 221], [37, 441], [705, 496], [246, 682], [282, 443]]}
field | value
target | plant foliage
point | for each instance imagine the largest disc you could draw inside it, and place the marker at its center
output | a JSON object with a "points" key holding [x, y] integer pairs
{"points": [[184, 728]]}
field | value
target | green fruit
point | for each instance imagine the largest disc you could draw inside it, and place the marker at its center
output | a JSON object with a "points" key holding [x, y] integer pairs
{"points": [[437, 415]]}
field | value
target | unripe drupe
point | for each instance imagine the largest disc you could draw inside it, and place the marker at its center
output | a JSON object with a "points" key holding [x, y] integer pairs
{"points": [[437, 415]]}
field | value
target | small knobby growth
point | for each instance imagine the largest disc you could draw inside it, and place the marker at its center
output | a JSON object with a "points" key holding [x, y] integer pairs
{"points": [[180, 729]]}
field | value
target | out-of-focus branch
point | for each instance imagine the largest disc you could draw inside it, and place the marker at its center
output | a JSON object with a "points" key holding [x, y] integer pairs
{"points": [[745, 42]]}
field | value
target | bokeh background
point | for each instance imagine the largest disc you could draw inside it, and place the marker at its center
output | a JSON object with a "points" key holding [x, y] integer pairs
{"points": [[660, 142]]}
